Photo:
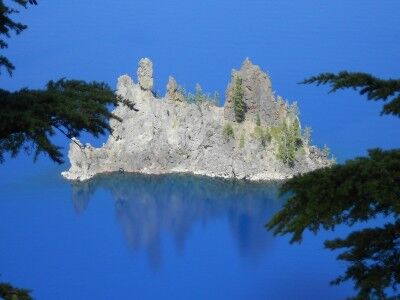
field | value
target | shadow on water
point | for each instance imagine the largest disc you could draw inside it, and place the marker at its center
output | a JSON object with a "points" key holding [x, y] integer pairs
{"points": [[147, 207]]}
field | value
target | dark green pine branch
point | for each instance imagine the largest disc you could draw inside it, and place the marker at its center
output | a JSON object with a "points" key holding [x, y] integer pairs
{"points": [[355, 192], [374, 258], [9, 292], [8, 26], [374, 88], [29, 118]]}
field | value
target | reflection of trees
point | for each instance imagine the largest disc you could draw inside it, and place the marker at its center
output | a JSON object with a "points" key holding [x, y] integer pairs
{"points": [[149, 206]]}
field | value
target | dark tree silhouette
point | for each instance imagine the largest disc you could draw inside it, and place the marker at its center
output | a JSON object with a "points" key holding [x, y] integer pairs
{"points": [[357, 191], [29, 118], [375, 88], [8, 292], [8, 26]]}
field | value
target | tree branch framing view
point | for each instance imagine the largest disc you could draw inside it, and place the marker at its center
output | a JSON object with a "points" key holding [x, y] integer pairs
{"points": [[353, 193]]}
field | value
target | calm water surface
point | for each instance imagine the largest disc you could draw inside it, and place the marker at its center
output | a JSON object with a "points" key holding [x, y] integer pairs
{"points": [[185, 237], [156, 237]]}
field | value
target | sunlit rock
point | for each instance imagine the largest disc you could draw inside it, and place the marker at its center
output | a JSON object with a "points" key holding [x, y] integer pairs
{"points": [[173, 93], [257, 95], [178, 136], [145, 74]]}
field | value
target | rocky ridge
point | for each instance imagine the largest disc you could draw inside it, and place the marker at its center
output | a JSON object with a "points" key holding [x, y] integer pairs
{"points": [[170, 134]]}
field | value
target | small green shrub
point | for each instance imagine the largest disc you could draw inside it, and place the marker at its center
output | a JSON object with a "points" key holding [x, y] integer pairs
{"points": [[182, 152], [275, 132], [216, 98], [307, 132], [263, 134], [258, 121], [228, 131], [326, 151], [293, 110], [199, 97], [241, 143], [175, 123]]}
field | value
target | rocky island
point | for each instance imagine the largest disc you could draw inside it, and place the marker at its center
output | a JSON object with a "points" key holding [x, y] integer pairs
{"points": [[255, 135]]}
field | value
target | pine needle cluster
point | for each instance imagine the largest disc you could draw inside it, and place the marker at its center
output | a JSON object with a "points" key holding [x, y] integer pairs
{"points": [[29, 118], [10, 292], [357, 191]]}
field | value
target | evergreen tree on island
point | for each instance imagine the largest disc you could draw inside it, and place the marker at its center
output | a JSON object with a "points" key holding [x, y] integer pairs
{"points": [[238, 104]]}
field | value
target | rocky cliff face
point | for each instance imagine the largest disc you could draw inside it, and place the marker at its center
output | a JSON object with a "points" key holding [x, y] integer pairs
{"points": [[170, 135], [257, 95]]}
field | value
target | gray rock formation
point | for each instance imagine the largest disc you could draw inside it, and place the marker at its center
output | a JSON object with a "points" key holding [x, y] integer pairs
{"points": [[145, 74], [257, 95], [167, 136], [173, 94]]}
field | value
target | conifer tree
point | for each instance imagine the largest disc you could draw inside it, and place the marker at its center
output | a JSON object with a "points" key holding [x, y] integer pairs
{"points": [[357, 191], [9, 292], [198, 96], [239, 106], [29, 118], [288, 142], [216, 98], [8, 26]]}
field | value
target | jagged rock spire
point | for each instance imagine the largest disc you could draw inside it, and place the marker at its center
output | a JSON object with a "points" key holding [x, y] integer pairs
{"points": [[173, 93], [145, 74], [257, 95]]}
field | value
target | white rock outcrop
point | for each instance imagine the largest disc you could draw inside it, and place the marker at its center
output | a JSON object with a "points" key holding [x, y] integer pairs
{"points": [[173, 94], [171, 135], [145, 74]]}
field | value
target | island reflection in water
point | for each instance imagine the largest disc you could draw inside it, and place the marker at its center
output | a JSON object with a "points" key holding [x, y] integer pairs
{"points": [[148, 207]]}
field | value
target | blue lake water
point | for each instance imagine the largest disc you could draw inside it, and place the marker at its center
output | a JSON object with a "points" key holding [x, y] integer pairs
{"points": [[185, 237], [155, 237]]}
